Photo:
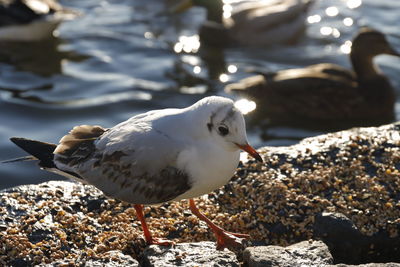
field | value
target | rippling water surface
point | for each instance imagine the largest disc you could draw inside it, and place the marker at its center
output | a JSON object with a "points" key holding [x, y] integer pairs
{"points": [[121, 58]]}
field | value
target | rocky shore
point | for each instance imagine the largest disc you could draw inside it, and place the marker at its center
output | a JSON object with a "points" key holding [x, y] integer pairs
{"points": [[329, 200]]}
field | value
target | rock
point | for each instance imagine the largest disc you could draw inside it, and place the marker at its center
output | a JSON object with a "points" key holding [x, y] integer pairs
{"points": [[306, 253], [113, 258], [188, 254], [54, 223], [388, 264], [355, 173], [331, 228], [356, 248]]}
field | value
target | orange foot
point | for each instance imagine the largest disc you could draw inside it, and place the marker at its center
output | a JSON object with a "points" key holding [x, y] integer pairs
{"points": [[229, 240], [160, 242], [225, 239], [150, 240]]}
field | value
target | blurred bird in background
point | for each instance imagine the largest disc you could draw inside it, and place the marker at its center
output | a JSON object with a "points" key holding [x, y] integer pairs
{"points": [[253, 23], [327, 93], [31, 20]]}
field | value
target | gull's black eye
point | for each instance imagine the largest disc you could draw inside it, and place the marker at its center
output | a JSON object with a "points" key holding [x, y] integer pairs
{"points": [[223, 130]]}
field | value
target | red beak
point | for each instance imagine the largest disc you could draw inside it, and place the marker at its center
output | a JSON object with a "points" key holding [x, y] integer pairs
{"points": [[249, 149]]}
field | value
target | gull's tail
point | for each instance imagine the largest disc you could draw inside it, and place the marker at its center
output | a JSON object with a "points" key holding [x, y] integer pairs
{"points": [[43, 152], [26, 158], [39, 151]]}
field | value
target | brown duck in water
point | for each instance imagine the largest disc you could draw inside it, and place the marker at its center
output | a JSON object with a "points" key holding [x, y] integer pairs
{"points": [[327, 93]]}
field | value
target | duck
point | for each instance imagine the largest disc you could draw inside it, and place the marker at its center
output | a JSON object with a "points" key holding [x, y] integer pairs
{"points": [[250, 23], [31, 20], [327, 94]]}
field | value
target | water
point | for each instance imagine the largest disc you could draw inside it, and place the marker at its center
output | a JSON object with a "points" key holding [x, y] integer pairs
{"points": [[118, 59]]}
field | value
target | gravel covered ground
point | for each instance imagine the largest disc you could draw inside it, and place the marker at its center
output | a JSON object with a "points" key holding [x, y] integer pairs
{"points": [[355, 172]]}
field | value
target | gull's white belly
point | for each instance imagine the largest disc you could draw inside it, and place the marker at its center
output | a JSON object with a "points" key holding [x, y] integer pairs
{"points": [[209, 170]]}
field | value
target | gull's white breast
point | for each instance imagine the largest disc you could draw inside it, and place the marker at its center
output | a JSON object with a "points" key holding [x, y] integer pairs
{"points": [[209, 167]]}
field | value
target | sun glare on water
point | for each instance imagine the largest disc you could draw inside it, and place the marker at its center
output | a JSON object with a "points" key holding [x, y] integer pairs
{"points": [[353, 3], [245, 106], [187, 44], [346, 47]]}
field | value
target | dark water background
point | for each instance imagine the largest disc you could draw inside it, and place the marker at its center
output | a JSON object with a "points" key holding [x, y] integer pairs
{"points": [[118, 60]]}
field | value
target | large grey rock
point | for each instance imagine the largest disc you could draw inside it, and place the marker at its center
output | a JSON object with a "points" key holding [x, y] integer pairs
{"points": [[188, 254], [306, 253], [355, 248], [331, 228]]}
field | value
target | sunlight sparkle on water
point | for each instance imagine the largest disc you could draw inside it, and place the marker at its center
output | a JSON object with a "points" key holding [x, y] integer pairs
{"points": [[336, 33], [38, 6], [56, 33], [232, 69], [330, 31], [353, 3], [314, 19], [348, 22], [178, 47], [148, 35], [188, 44], [227, 11], [332, 11], [245, 106], [196, 69], [224, 77], [192, 60], [346, 47], [326, 30]]}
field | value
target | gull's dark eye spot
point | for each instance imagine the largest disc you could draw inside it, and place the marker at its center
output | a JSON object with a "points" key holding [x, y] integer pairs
{"points": [[223, 130]]}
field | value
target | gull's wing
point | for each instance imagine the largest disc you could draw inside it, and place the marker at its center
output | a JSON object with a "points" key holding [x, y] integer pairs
{"points": [[133, 161]]}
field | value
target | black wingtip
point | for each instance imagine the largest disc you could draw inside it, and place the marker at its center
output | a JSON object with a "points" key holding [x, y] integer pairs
{"points": [[15, 139], [40, 150]]}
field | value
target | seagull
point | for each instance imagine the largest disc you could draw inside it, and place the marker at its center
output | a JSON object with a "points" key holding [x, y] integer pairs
{"points": [[31, 20], [155, 157]]}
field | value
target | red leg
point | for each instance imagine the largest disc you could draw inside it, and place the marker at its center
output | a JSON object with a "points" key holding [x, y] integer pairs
{"points": [[225, 239], [147, 235]]}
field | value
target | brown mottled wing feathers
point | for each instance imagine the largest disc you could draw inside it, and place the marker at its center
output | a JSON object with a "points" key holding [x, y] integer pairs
{"points": [[78, 144], [119, 179], [164, 186], [113, 172]]}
